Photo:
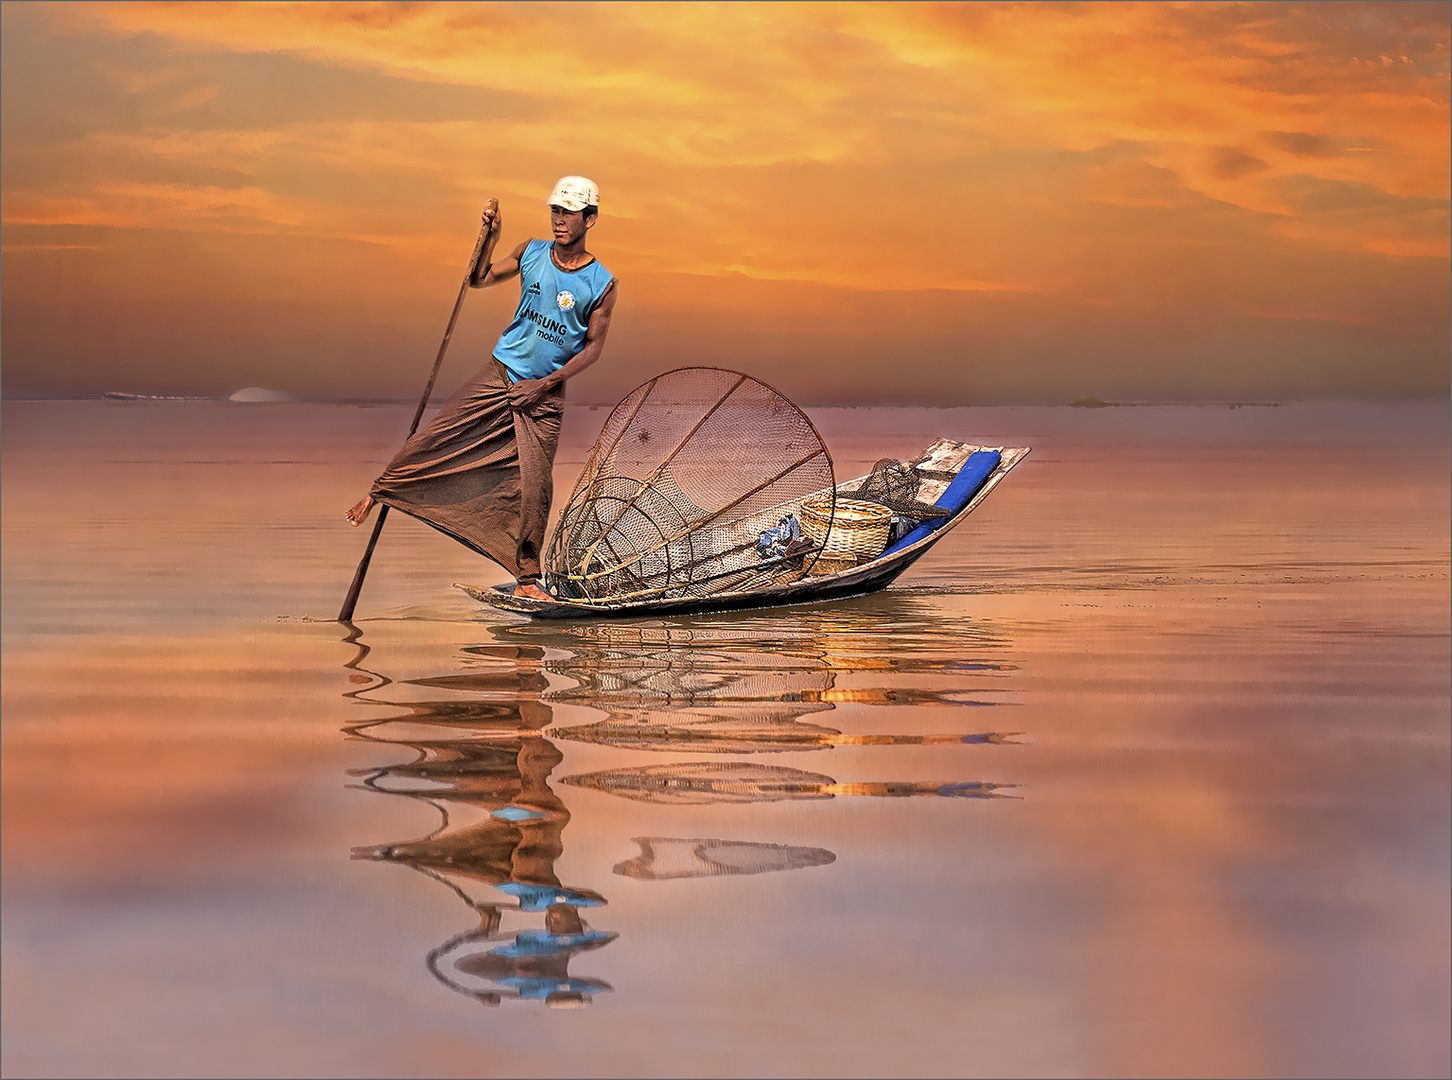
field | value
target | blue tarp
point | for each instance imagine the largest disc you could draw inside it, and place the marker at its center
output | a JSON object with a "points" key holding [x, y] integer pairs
{"points": [[959, 494]]}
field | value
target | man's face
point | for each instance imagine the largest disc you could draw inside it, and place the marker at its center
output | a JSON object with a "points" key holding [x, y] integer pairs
{"points": [[568, 225]]}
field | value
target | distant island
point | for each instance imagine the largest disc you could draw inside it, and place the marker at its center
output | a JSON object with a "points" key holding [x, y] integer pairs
{"points": [[250, 393], [1096, 403], [121, 395]]}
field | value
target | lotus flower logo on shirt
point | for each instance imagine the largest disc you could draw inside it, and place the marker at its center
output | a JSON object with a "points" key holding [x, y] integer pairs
{"points": [[566, 300]]}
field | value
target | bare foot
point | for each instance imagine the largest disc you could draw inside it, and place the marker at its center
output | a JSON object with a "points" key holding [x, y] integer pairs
{"points": [[530, 591], [358, 513]]}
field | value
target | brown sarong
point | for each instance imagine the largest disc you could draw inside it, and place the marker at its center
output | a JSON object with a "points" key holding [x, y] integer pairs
{"points": [[481, 472]]}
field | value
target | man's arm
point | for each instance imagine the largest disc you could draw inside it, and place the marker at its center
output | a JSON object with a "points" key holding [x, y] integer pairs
{"points": [[488, 273], [527, 393]]}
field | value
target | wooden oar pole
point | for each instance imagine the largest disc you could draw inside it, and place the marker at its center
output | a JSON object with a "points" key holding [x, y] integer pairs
{"points": [[483, 250]]}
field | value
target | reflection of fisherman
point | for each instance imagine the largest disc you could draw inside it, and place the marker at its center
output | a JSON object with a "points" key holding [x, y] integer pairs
{"points": [[481, 470], [533, 965], [514, 849]]}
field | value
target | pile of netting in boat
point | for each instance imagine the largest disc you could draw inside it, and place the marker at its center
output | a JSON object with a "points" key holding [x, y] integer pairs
{"points": [[694, 488], [895, 485]]}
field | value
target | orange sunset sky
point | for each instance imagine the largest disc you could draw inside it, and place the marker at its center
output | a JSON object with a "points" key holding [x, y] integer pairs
{"points": [[901, 203]]}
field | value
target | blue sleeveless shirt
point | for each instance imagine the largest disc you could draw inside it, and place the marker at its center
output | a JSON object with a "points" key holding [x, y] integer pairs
{"points": [[554, 311]]}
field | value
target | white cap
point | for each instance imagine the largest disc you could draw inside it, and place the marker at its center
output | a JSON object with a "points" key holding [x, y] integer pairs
{"points": [[575, 193]]}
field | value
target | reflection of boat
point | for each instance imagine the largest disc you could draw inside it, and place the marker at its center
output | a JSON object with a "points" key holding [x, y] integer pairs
{"points": [[956, 476], [888, 649], [760, 730], [695, 783], [478, 742]]}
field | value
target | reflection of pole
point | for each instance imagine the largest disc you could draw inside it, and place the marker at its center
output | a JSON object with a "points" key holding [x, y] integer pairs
{"points": [[354, 637]]}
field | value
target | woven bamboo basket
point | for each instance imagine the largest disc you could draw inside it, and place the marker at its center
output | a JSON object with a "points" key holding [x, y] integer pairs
{"points": [[855, 532]]}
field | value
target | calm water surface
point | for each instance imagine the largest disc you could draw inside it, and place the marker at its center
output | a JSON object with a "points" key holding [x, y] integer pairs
{"points": [[1143, 771]]}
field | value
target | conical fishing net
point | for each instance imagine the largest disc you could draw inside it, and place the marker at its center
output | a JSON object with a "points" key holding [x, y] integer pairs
{"points": [[694, 488], [663, 857]]}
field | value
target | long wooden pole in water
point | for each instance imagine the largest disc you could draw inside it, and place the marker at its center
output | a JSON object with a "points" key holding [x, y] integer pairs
{"points": [[483, 249]]}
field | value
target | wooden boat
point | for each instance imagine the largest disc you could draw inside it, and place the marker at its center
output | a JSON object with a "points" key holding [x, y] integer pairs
{"points": [[956, 476]]}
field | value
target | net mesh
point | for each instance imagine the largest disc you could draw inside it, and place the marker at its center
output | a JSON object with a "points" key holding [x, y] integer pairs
{"points": [[694, 488], [894, 484]]}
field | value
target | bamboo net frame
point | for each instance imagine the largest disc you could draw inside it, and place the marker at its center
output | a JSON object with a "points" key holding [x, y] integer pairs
{"points": [[736, 459]]}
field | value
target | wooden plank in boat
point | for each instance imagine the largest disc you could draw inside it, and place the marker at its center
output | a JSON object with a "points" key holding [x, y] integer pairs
{"points": [[943, 459]]}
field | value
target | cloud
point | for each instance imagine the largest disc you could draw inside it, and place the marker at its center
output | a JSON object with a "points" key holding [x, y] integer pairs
{"points": [[1102, 157], [1232, 163], [751, 86]]}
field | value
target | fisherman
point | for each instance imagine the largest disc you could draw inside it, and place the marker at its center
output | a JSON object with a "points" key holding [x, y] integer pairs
{"points": [[481, 471]]}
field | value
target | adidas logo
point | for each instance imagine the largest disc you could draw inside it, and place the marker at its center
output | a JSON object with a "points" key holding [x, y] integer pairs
{"points": [[534, 288]]}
